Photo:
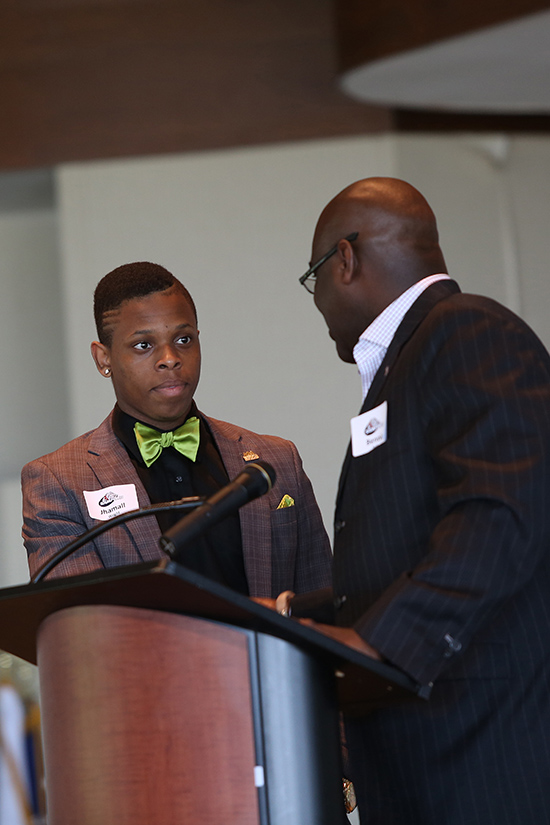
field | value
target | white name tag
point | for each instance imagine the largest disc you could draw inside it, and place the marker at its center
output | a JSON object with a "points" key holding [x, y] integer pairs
{"points": [[369, 430], [111, 501]]}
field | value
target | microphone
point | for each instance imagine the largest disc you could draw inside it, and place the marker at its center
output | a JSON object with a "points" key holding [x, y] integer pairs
{"points": [[255, 480]]}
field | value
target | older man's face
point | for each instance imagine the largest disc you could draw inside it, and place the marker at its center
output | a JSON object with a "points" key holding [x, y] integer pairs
{"points": [[332, 300]]}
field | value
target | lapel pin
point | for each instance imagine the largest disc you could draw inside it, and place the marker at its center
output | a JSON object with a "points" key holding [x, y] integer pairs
{"points": [[250, 456]]}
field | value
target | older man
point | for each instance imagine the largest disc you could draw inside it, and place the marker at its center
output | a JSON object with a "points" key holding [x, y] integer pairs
{"points": [[156, 446], [442, 528]]}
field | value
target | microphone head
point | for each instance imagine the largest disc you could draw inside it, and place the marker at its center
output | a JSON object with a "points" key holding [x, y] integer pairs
{"points": [[263, 474]]}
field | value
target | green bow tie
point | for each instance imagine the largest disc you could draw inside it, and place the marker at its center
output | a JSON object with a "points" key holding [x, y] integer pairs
{"points": [[152, 442]]}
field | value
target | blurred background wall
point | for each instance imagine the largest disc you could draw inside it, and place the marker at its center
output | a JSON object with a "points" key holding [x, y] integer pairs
{"points": [[235, 225]]}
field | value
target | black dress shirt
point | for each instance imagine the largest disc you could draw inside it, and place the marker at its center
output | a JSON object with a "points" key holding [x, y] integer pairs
{"points": [[218, 553]]}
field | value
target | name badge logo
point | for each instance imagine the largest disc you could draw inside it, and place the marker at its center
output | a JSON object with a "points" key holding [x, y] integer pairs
{"points": [[108, 498], [369, 430], [372, 426], [111, 501]]}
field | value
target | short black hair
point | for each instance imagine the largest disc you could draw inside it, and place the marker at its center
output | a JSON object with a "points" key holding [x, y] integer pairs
{"points": [[135, 280]]}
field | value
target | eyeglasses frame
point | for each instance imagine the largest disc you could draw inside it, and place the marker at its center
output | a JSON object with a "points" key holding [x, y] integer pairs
{"points": [[314, 267]]}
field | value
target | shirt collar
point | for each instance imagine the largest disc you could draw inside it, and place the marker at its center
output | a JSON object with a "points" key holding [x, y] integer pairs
{"points": [[384, 326], [373, 343]]}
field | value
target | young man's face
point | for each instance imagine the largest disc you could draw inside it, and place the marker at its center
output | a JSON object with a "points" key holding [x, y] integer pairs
{"points": [[154, 358]]}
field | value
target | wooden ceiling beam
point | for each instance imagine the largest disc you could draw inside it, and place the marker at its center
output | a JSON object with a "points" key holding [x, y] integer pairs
{"points": [[381, 28], [95, 79]]}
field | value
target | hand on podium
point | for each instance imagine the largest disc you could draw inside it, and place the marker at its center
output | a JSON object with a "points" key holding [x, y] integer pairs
{"points": [[281, 604], [270, 603], [346, 635]]}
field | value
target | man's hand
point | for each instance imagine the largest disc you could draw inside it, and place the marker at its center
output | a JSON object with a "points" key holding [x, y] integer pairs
{"points": [[345, 635], [266, 602], [281, 604]]}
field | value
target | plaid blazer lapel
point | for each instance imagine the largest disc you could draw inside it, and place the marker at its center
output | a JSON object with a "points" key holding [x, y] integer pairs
{"points": [[109, 462], [255, 517]]}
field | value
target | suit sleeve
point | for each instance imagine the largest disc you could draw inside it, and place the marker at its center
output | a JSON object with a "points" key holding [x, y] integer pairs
{"points": [[51, 519], [483, 394]]}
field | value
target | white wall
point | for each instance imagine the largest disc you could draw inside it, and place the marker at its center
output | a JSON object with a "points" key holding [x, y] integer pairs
{"points": [[492, 198], [236, 227], [33, 401], [32, 375]]}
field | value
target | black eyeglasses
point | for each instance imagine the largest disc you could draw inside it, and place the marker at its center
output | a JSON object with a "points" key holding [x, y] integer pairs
{"points": [[309, 278]]}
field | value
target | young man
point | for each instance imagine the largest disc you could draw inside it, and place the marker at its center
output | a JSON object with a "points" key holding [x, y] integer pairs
{"points": [[148, 346]]}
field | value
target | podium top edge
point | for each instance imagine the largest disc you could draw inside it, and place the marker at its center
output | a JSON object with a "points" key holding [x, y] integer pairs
{"points": [[166, 585]]}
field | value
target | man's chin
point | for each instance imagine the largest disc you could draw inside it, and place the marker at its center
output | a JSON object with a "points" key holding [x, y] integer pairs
{"points": [[168, 418], [345, 354]]}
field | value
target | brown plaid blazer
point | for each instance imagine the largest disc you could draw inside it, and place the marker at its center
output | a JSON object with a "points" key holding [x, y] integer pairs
{"points": [[283, 549]]}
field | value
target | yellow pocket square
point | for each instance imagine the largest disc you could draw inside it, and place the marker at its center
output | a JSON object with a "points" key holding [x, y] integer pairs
{"points": [[286, 501]]}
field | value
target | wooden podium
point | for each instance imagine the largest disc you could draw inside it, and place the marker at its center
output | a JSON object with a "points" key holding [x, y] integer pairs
{"points": [[169, 699]]}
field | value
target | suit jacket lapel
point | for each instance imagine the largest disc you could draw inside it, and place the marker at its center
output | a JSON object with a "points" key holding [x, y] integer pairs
{"points": [[108, 460], [255, 517], [413, 318]]}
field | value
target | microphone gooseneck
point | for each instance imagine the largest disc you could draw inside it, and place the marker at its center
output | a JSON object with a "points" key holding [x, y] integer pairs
{"points": [[93, 532]]}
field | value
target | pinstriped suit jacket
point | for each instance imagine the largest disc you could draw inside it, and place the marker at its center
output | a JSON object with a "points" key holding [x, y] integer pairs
{"points": [[283, 549], [442, 549]]}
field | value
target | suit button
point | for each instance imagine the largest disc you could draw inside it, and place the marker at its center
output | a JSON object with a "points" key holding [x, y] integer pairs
{"points": [[339, 524], [453, 646], [339, 601]]}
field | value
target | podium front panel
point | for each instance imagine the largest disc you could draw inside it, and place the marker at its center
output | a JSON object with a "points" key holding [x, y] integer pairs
{"points": [[147, 719], [153, 718]]}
